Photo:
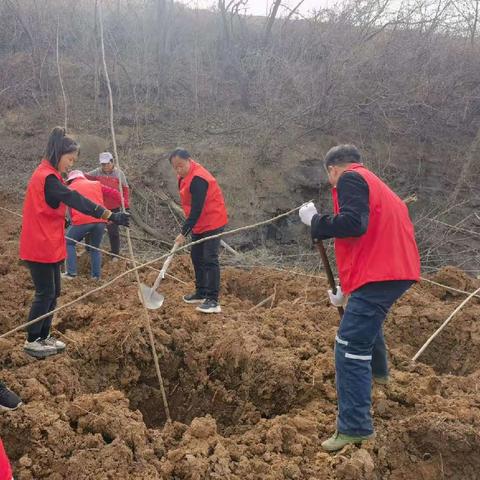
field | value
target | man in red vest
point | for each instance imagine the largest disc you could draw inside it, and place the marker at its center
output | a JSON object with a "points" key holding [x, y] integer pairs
{"points": [[82, 225], [378, 261], [206, 215]]}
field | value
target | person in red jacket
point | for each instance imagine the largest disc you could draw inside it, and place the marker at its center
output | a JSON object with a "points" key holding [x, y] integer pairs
{"points": [[378, 261], [206, 215], [5, 468], [42, 239], [82, 225], [111, 176]]}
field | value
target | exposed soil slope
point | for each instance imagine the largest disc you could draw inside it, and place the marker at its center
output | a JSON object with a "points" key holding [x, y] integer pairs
{"points": [[251, 392]]}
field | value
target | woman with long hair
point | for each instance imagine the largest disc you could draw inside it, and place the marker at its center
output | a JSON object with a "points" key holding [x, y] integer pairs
{"points": [[42, 241]]}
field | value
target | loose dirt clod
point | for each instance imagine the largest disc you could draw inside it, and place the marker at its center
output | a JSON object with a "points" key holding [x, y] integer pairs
{"points": [[251, 392]]}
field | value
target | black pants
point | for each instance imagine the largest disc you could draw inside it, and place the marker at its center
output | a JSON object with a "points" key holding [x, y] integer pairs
{"points": [[114, 235], [46, 278], [206, 265]]}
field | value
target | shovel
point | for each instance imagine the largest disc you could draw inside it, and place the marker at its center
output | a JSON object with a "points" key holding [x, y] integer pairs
{"points": [[149, 296], [328, 271]]}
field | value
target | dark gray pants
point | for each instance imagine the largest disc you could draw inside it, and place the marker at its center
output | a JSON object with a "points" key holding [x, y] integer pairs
{"points": [[206, 265], [46, 278]]}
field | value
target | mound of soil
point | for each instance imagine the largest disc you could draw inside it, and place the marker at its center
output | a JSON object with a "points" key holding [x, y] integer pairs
{"points": [[251, 391]]}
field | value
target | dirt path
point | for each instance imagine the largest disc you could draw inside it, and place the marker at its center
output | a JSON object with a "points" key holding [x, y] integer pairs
{"points": [[251, 393]]}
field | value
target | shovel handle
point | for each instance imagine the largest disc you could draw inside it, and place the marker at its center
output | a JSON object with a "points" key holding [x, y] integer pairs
{"points": [[164, 269], [328, 270]]}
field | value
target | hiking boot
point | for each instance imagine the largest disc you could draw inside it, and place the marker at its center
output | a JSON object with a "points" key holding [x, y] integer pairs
{"points": [[39, 348], [381, 380], [209, 306], [8, 399], [67, 276], [60, 346], [194, 298], [338, 440]]}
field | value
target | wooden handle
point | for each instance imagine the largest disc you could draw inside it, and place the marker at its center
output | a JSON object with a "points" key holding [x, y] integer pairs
{"points": [[169, 259], [328, 270], [167, 263]]}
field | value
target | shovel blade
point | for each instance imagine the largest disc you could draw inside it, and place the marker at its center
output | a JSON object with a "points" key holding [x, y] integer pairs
{"points": [[150, 298]]}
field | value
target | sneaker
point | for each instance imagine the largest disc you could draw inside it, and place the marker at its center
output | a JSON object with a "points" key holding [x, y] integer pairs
{"points": [[39, 348], [67, 276], [381, 380], [60, 346], [194, 298], [339, 440], [8, 399], [115, 259], [209, 306]]}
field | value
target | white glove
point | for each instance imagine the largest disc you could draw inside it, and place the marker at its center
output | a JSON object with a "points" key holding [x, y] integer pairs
{"points": [[337, 299], [307, 212]]}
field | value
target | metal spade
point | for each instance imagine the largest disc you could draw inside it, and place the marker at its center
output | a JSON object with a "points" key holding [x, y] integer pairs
{"points": [[149, 296]]}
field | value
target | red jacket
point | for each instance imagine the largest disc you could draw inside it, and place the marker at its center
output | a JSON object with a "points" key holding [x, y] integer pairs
{"points": [[387, 251], [5, 468], [112, 182], [93, 191], [43, 228], [214, 212]]}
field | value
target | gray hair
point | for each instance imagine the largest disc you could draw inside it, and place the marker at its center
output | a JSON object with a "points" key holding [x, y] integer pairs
{"points": [[342, 154]]}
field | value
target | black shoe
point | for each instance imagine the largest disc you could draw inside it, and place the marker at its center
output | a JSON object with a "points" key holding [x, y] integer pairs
{"points": [[8, 399], [209, 306], [193, 298]]}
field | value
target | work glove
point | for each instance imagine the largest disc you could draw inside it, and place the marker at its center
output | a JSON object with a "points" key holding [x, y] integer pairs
{"points": [[120, 218], [307, 212], [337, 299]]}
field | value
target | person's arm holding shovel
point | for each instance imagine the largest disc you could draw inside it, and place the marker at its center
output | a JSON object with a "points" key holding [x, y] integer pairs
{"points": [[350, 221]]}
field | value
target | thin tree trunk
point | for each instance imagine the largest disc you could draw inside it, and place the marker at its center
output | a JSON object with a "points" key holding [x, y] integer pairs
{"points": [[96, 82], [271, 20], [65, 107]]}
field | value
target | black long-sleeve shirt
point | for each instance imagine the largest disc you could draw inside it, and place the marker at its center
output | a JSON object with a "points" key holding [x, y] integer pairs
{"points": [[56, 192], [352, 219], [198, 190]]}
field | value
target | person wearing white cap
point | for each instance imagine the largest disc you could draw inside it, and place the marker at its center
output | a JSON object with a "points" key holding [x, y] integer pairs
{"points": [[82, 225], [111, 176]]}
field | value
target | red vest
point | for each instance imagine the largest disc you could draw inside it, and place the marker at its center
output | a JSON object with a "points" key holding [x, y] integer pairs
{"points": [[93, 191], [43, 228], [5, 469], [387, 251], [214, 213]]}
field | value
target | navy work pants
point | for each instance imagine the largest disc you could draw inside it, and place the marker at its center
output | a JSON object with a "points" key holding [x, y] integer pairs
{"points": [[360, 352]]}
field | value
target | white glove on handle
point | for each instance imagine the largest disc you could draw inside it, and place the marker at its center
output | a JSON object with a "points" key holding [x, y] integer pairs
{"points": [[307, 212], [338, 299]]}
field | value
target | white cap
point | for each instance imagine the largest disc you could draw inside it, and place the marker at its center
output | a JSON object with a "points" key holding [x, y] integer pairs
{"points": [[75, 174], [105, 157]]}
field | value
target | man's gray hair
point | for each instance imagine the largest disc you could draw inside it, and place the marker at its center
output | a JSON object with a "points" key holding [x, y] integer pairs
{"points": [[342, 154]]}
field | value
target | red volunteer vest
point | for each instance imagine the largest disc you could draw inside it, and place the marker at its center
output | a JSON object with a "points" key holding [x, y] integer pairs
{"points": [[43, 228], [5, 469], [387, 251], [91, 190], [214, 213]]}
